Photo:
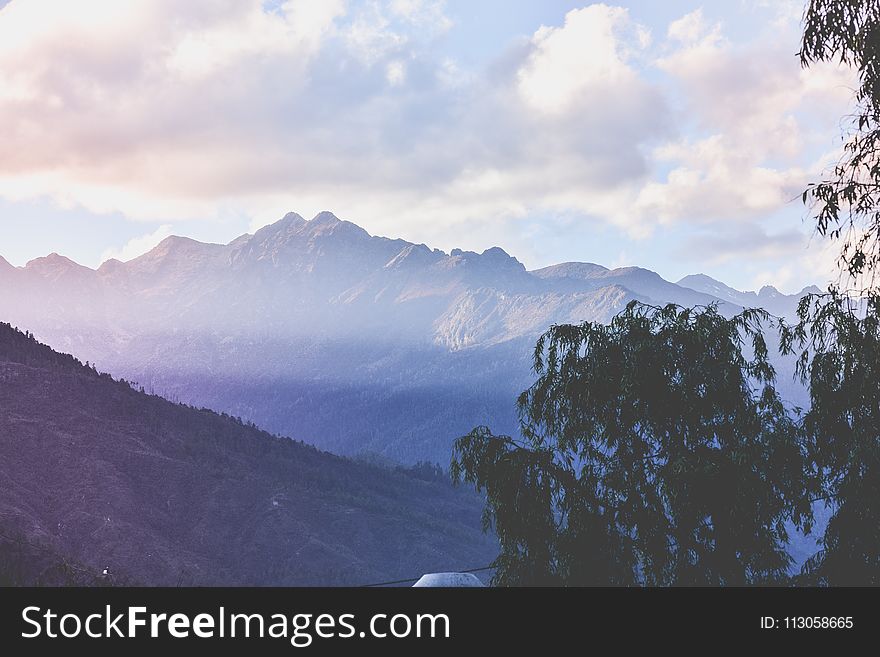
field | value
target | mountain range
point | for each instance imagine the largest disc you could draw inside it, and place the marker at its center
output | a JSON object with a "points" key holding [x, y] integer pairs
{"points": [[358, 344]]}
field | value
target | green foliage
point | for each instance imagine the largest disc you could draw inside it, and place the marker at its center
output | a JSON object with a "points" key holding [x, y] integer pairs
{"points": [[836, 337], [838, 343], [846, 204], [655, 450]]}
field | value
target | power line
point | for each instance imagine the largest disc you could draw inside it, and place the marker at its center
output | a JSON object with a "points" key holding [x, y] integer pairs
{"points": [[416, 579]]}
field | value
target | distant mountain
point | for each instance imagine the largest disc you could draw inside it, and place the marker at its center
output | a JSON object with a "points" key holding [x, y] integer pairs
{"points": [[768, 298], [99, 478], [318, 330], [648, 284]]}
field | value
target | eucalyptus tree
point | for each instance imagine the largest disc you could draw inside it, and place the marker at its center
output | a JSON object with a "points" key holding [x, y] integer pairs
{"points": [[845, 203], [653, 450], [837, 341], [836, 337]]}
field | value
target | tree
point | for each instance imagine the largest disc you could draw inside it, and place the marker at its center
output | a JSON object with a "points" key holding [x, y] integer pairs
{"points": [[846, 203], [654, 451], [838, 340], [837, 336]]}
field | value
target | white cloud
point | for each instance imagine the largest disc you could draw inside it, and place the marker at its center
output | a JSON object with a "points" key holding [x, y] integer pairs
{"points": [[294, 32], [786, 14], [692, 28], [576, 62], [423, 13], [371, 38], [138, 245], [755, 119], [167, 111], [713, 180], [395, 73], [818, 258], [138, 105]]}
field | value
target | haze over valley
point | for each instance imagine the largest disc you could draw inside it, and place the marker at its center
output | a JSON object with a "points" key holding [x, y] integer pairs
{"points": [[314, 329]]}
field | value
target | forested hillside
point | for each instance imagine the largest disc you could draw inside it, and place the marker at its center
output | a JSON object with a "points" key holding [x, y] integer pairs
{"points": [[97, 476]]}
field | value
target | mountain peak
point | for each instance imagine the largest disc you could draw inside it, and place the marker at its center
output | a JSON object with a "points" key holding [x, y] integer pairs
{"points": [[496, 252], [172, 240], [111, 266], [325, 217], [498, 257], [54, 267], [326, 223], [633, 270], [290, 221], [694, 278], [575, 270], [708, 285], [176, 243], [53, 261], [172, 252], [288, 224], [290, 217], [52, 257], [413, 256]]}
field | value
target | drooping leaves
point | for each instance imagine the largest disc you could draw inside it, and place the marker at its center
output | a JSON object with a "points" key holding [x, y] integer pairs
{"points": [[837, 341], [655, 450], [845, 204]]}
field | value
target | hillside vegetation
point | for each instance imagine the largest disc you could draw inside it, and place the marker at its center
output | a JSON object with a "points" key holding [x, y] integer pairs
{"points": [[97, 476]]}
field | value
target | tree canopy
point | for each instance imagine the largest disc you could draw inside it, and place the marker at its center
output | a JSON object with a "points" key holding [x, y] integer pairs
{"points": [[838, 343], [836, 336], [655, 450], [845, 204]]}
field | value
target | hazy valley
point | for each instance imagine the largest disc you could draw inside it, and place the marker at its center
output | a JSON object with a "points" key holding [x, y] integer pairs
{"points": [[317, 330]]}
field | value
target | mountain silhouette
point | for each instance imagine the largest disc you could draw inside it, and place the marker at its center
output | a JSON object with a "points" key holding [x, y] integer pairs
{"points": [[318, 330]]}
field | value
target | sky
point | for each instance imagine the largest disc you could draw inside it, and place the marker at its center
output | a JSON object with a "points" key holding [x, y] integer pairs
{"points": [[676, 136]]}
